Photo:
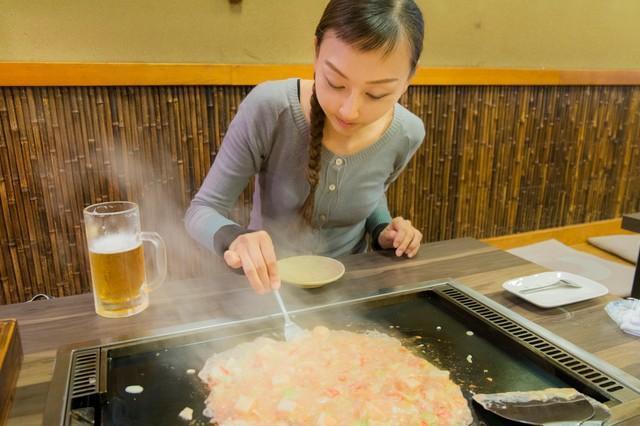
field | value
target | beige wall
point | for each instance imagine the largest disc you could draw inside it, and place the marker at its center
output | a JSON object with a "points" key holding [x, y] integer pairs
{"points": [[484, 33]]}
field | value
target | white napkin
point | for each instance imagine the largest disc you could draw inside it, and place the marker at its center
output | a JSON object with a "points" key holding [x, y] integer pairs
{"points": [[626, 313]]}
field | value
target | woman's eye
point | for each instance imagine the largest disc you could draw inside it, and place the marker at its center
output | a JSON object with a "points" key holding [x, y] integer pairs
{"points": [[333, 86], [376, 97]]}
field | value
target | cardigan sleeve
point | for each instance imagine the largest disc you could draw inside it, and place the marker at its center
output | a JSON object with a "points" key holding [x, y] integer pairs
{"points": [[245, 147]]}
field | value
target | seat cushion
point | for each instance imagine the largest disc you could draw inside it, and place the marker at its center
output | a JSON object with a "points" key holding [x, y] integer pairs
{"points": [[624, 246]]}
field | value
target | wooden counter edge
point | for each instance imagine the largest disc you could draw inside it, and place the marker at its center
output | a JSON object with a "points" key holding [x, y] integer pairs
{"points": [[11, 356], [625, 414], [163, 74]]}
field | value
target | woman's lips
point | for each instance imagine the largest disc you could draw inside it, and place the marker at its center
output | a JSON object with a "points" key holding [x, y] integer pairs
{"points": [[345, 123]]}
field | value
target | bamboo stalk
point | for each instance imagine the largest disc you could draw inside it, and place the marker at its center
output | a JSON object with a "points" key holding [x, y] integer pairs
{"points": [[68, 216], [78, 182], [10, 284], [46, 207], [31, 192], [84, 130], [57, 192]]}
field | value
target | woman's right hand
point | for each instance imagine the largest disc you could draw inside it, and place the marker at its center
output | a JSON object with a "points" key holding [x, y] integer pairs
{"points": [[254, 252]]}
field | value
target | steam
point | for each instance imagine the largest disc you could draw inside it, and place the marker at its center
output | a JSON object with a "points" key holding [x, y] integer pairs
{"points": [[163, 199]]}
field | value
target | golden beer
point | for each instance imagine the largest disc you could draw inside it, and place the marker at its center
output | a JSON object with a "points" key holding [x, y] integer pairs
{"points": [[116, 255], [118, 274]]}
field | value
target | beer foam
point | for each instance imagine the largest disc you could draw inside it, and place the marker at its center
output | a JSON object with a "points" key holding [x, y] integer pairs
{"points": [[114, 243]]}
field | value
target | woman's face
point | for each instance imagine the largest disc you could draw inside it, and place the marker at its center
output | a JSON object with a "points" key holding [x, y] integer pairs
{"points": [[357, 88]]}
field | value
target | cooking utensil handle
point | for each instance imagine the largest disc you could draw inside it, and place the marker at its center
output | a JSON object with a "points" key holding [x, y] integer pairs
{"points": [[281, 303]]}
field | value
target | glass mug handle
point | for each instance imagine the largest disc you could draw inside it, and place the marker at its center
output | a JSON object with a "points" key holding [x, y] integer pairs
{"points": [[160, 254]]}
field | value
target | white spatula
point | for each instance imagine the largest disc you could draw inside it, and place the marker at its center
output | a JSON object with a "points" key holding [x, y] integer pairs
{"points": [[291, 329]]}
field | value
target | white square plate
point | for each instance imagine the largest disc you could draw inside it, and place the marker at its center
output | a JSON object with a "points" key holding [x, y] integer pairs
{"points": [[555, 296]]}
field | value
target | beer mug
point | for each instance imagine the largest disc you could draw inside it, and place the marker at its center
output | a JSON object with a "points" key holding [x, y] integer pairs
{"points": [[116, 257]]}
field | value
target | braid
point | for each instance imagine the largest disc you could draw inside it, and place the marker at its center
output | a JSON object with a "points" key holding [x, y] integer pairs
{"points": [[315, 151]]}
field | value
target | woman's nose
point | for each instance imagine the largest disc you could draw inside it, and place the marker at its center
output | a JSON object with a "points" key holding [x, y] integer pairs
{"points": [[350, 110]]}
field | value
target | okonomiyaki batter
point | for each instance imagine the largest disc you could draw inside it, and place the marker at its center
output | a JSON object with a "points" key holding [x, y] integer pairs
{"points": [[330, 378]]}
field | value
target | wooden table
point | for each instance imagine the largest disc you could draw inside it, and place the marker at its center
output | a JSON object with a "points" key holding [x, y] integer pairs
{"points": [[631, 222], [46, 325]]}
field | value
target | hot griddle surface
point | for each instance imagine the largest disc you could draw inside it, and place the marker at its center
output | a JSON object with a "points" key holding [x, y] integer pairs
{"points": [[480, 359]]}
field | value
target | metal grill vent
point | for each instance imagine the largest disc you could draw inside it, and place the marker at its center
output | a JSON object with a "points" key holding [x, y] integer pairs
{"points": [[534, 341], [84, 373]]}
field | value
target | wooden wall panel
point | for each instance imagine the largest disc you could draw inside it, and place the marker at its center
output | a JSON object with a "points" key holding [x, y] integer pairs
{"points": [[191, 74], [496, 160]]}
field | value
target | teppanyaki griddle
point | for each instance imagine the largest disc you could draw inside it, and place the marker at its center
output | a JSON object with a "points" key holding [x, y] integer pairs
{"points": [[486, 347]]}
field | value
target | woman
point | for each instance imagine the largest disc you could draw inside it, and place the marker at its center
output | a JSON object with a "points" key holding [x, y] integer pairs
{"points": [[324, 151]]}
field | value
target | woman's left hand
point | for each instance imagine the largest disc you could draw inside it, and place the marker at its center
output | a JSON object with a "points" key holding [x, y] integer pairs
{"points": [[402, 236]]}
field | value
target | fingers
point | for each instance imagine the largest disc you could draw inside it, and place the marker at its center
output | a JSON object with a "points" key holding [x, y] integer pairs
{"points": [[407, 239], [250, 270], [260, 267], [254, 252], [414, 246], [386, 237], [232, 259], [271, 261], [400, 242]]}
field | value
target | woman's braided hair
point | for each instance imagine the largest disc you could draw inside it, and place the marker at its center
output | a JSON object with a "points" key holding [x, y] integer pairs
{"points": [[315, 154]]}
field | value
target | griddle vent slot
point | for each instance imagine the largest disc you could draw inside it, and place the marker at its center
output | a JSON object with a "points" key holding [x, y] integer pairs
{"points": [[535, 342], [84, 373]]}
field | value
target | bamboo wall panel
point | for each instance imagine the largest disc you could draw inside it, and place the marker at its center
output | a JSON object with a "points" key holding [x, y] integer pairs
{"points": [[496, 160]]}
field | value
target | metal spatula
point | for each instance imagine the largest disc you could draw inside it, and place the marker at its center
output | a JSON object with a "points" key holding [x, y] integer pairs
{"points": [[571, 409], [291, 329]]}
